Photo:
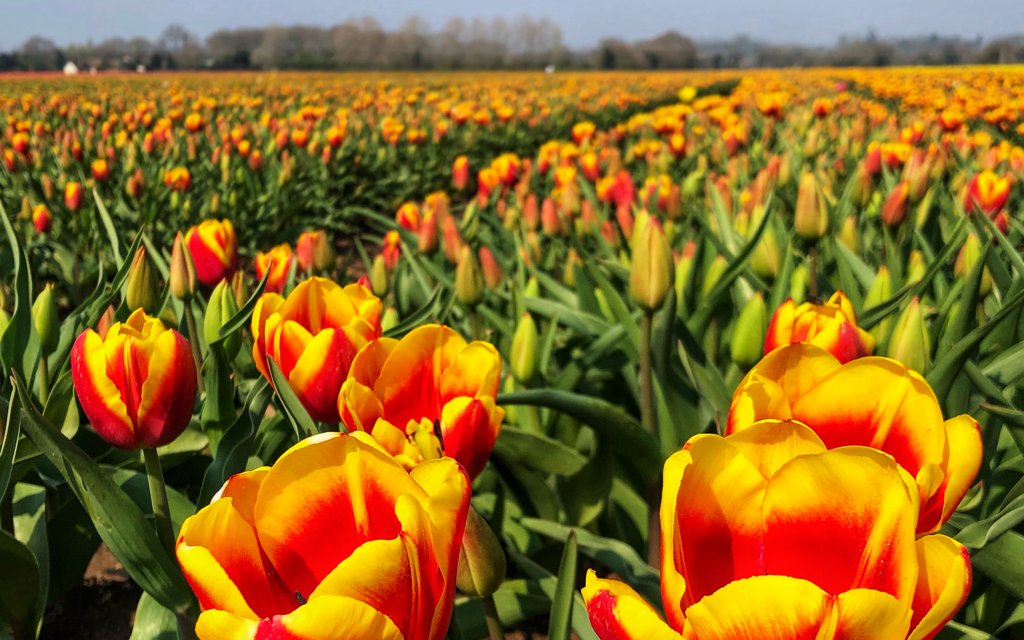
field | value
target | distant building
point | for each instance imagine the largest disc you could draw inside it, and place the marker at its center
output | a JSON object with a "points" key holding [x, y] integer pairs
{"points": [[70, 68]]}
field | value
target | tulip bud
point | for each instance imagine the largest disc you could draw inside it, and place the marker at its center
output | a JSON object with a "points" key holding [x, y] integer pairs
{"points": [[469, 281], [141, 288], [651, 272], [379, 276], [493, 276], [909, 342], [811, 218], [713, 275], [219, 310], [797, 283], [766, 259], [532, 288], [482, 563], [106, 321], [684, 266], [916, 266], [44, 317], [747, 343], [848, 234], [880, 291], [523, 357], [427, 240], [5, 321], [389, 319], [182, 274], [970, 252], [894, 209]]}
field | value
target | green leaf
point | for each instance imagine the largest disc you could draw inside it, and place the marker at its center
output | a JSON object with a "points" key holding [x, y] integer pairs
{"points": [[562, 602], [606, 419], [1002, 560], [108, 225], [14, 344], [153, 622], [517, 446], [10, 429], [237, 444], [19, 588], [120, 523], [290, 403], [418, 317], [243, 316], [30, 529]]}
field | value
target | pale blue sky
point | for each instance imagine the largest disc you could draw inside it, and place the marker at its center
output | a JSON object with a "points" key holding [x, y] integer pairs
{"points": [[583, 23]]}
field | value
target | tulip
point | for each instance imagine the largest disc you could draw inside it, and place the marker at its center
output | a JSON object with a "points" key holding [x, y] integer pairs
{"points": [[137, 384], [831, 326], [910, 343], [469, 280], [460, 173], [313, 335], [849, 235], [214, 250], [181, 277], [969, 255], [493, 277], [42, 219], [880, 291], [219, 310], [875, 402], [335, 540], [894, 209], [73, 195], [766, 535], [987, 192], [430, 385], [811, 219], [45, 320], [313, 251], [748, 336], [651, 271], [140, 290], [523, 357], [379, 276], [100, 170], [278, 262]]}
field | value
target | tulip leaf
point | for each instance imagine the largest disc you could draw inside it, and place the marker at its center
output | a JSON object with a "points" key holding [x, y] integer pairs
{"points": [[290, 403], [606, 419], [562, 602], [15, 341], [30, 529], [237, 444], [119, 522], [977, 534], [517, 446], [19, 588], [418, 317], [10, 431], [1007, 366], [1002, 560], [548, 583], [617, 556], [517, 601], [956, 631], [153, 622], [576, 320], [244, 314], [108, 226]]}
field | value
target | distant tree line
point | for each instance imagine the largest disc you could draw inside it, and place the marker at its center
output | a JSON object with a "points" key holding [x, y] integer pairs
{"points": [[522, 43]]}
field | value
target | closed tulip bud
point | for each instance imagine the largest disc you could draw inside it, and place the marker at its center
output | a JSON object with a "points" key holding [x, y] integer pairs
{"points": [[389, 319], [532, 288], [748, 336], [849, 235], [379, 277], [880, 291], [44, 317], [469, 281], [894, 209], [493, 277], [916, 267], [684, 267], [798, 283], [766, 259], [651, 271], [238, 288], [313, 251], [969, 254], [427, 237], [713, 275], [219, 310], [811, 219], [182, 276], [42, 219], [141, 288], [106, 321], [482, 562], [924, 208], [5, 321], [523, 357], [909, 342]]}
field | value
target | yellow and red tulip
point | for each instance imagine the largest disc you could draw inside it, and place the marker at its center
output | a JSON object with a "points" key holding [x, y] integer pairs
{"points": [[73, 195], [214, 250], [768, 535], [137, 383], [831, 326], [987, 192], [278, 262], [313, 335], [42, 219], [313, 251], [398, 388], [336, 540], [874, 402]]}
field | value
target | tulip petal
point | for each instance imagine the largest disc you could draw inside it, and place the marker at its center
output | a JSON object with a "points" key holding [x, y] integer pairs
{"points": [[942, 586], [475, 372], [330, 617], [843, 519], [673, 585], [965, 454], [314, 492], [99, 396], [169, 392], [619, 613], [864, 614], [214, 624], [319, 373], [409, 384], [268, 305], [469, 428], [761, 608]]}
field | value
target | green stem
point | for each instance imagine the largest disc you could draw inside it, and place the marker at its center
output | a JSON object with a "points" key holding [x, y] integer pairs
{"points": [[494, 630], [647, 416], [476, 325], [44, 380], [812, 273], [158, 496], [193, 340]]}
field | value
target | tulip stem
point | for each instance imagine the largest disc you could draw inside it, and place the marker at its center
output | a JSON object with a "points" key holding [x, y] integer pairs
{"points": [[494, 630], [44, 380], [193, 340], [647, 415], [476, 325], [812, 275], [158, 497]]}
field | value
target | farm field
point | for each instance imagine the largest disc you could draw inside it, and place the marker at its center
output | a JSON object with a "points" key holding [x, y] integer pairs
{"points": [[703, 355]]}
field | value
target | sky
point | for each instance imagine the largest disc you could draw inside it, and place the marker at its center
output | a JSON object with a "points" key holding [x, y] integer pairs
{"points": [[583, 23]]}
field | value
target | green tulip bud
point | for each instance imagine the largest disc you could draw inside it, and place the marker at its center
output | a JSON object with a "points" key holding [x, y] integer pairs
{"points": [[141, 287], [909, 342], [880, 291], [523, 357], [798, 283], [747, 344], [482, 561], [379, 277], [651, 272], [44, 317], [713, 274], [389, 319], [182, 276], [469, 280], [220, 309]]}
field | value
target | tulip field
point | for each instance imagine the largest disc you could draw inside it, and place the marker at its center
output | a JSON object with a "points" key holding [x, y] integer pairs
{"points": [[698, 355]]}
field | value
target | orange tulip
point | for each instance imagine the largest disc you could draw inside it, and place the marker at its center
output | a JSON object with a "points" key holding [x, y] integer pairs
{"points": [[875, 402], [214, 250], [100, 170], [137, 383], [402, 391], [768, 535], [313, 335], [278, 261], [831, 326], [987, 193], [336, 540]]}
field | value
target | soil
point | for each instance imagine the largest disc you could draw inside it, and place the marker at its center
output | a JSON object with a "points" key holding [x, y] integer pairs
{"points": [[101, 608]]}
